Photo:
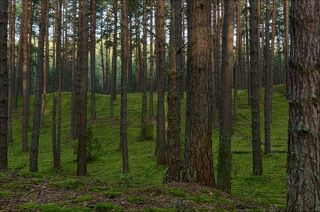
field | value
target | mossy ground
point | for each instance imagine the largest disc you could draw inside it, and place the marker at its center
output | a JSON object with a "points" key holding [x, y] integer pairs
{"points": [[104, 174]]}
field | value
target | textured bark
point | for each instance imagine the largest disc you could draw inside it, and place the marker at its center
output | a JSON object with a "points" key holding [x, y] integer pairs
{"points": [[174, 96], [304, 107], [83, 72], [254, 85], [161, 137], [151, 80], [248, 52], [34, 147], [286, 43], [267, 85], [102, 58], [179, 44], [93, 20], [198, 143], [130, 74], [25, 74], [3, 85], [124, 74], [224, 165], [108, 76]]}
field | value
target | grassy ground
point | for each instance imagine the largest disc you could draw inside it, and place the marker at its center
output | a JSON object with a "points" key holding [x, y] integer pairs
{"points": [[105, 188]]}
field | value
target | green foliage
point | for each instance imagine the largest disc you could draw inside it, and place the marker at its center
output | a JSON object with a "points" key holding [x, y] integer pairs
{"points": [[83, 198], [136, 200], [93, 146], [107, 207], [67, 184], [147, 132]]}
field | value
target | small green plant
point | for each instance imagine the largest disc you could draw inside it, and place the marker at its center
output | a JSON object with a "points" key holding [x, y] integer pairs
{"points": [[126, 180], [147, 132], [67, 184], [107, 207], [83, 198], [93, 146]]}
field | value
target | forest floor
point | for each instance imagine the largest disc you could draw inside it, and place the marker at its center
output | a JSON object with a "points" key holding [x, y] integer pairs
{"points": [[106, 189]]}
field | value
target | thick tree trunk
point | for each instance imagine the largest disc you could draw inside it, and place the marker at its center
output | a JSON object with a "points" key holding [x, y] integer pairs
{"points": [[174, 98], [83, 73], [304, 107], [4, 89], [93, 19], [254, 84], [224, 165], [34, 147], [124, 74], [198, 143], [161, 137], [179, 43]]}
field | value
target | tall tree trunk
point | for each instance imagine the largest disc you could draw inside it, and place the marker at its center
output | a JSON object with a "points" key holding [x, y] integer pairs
{"points": [[11, 62], [267, 86], [75, 84], [286, 44], [224, 166], [198, 143], [93, 20], [174, 96], [102, 59], [124, 74], [34, 147], [248, 52], [25, 72], [151, 81], [144, 111], [254, 84], [83, 73], [4, 89], [130, 74], [161, 137], [304, 107], [114, 58], [179, 43]]}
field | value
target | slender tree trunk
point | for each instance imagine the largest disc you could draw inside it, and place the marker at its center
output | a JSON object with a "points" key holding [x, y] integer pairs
{"points": [[151, 81], [114, 58], [4, 87], [144, 111], [161, 137], [34, 147], [130, 74], [254, 84], [248, 62], [83, 73], [304, 107], [286, 44], [108, 76], [179, 43], [174, 96], [124, 74], [224, 166], [102, 59], [198, 143], [25, 72], [93, 20]]}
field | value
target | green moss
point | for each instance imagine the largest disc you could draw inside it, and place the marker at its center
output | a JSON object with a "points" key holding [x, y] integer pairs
{"points": [[107, 207], [83, 198], [67, 184]]}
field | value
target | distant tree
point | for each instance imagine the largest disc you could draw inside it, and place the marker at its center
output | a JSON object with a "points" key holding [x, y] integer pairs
{"points": [[304, 116], [254, 85], [198, 144], [34, 147], [226, 119], [3, 85], [124, 75], [83, 74], [160, 58]]}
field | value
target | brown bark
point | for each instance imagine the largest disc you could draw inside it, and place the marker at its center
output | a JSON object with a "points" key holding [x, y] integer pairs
{"points": [[34, 147], [286, 43], [124, 74], [254, 84], [25, 73], [83, 73], [224, 165], [179, 44], [160, 42], [304, 107], [4, 89], [174, 98], [151, 80], [198, 143]]}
